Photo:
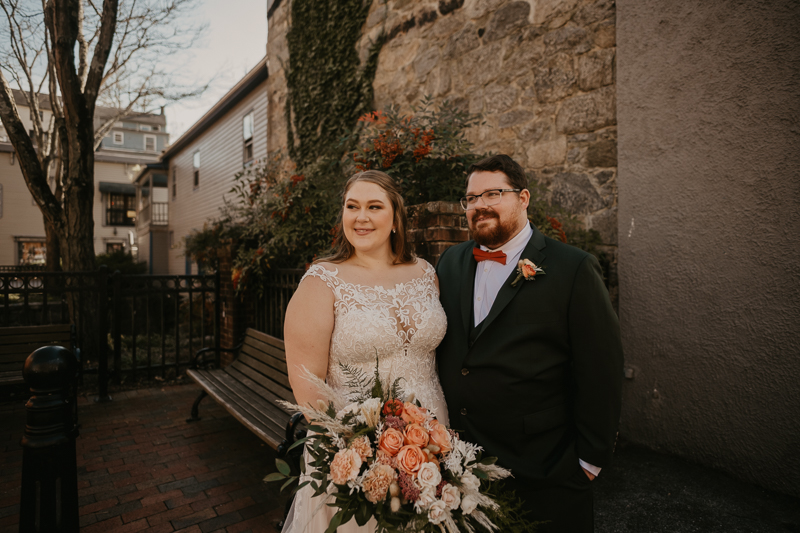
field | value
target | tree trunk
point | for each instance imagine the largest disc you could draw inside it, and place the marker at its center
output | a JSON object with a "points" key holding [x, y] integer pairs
{"points": [[53, 247]]}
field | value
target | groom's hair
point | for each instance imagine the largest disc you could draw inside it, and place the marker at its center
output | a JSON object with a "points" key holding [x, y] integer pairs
{"points": [[501, 163]]}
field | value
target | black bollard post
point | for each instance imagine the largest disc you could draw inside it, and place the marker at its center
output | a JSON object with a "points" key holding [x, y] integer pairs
{"points": [[49, 496]]}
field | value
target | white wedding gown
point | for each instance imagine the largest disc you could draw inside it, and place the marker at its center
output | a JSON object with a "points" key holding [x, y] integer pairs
{"points": [[402, 326]]}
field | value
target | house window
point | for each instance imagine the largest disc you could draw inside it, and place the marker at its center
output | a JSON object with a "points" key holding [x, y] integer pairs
{"points": [[121, 210], [112, 247], [196, 165], [156, 128], [145, 127], [150, 143], [31, 252], [119, 137], [174, 182], [247, 131]]}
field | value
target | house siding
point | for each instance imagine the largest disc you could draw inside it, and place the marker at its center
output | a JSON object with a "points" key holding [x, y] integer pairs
{"points": [[221, 152], [21, 216]]}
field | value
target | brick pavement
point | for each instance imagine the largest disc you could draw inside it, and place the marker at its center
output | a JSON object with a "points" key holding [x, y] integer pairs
{"points": [[141, 466]]}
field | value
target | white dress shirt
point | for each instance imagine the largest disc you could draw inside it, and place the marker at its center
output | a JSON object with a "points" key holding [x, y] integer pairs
{"points": [[489, 278]]}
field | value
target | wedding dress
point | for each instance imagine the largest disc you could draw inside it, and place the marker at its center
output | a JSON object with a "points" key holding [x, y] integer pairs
{"points": [[402, 326]]}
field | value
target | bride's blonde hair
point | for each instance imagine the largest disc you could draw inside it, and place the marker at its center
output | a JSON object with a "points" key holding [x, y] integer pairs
{"points": [[343, 250]]}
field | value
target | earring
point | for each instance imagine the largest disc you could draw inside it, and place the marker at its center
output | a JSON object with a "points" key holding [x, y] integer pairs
{"points": [[394, 230]]}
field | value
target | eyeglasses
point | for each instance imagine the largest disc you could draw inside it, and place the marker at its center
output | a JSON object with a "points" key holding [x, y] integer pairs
{"points": [[490, 197]]}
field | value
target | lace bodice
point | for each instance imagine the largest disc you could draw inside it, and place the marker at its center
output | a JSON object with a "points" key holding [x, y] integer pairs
{"points": [[402, 326]]}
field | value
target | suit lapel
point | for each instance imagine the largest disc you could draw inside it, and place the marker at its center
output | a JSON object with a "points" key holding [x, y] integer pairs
{"points": [[467, 287], [532, 251]]}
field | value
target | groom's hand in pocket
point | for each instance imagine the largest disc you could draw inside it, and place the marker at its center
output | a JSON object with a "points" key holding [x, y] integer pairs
{"points": [[588, 474]]}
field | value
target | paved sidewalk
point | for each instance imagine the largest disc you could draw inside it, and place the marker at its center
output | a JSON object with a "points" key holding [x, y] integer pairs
{"points": [[142, 467]]}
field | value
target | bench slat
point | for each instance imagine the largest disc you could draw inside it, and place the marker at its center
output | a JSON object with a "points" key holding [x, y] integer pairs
{"points": [[269, 360], [261, 411], [220, 396], [11, 378], [266, 348], [267, 339], [270, 409], [16, 349], [32, 337], [265, 382], [38, 330], [271, 373]]}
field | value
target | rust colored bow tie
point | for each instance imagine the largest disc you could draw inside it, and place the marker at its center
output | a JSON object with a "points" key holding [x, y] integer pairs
{"points": [[483, 255]]}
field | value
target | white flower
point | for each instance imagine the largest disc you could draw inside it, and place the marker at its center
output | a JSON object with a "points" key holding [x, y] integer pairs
{"points": [[371, 411], [349, 408], [426, 498], [451, 496], [471, 482], [437, 512], [468, 504], [429, 475]]}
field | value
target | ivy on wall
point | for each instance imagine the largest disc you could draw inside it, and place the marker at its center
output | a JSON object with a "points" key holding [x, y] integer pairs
{"points": [[328, 89]]}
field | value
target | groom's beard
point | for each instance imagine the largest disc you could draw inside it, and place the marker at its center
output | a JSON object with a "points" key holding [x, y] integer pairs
{"points": [[495, 236]]}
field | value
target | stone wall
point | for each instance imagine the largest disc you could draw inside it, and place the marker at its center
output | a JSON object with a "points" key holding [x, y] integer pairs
{"points": [[540, 72]]}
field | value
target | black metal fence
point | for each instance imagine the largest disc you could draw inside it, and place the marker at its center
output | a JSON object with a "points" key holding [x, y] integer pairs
{"points": [[147, 325], [270, 308]]}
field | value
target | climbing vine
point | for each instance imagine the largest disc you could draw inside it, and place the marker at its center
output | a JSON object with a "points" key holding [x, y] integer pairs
{"points": [[328, 89]]}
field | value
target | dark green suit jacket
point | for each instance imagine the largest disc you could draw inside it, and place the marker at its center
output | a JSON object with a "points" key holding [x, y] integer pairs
{"points": [[539, 383]]}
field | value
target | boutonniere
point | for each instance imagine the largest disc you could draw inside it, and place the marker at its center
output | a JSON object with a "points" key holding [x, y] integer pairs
{"points": [[527, 270]]}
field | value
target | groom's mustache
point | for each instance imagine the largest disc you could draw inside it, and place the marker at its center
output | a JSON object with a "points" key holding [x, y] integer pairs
{"points": [[489, 213]]}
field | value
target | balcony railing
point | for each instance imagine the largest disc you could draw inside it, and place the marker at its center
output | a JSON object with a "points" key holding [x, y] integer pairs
{"points": [[154, 214], [160, 214]]}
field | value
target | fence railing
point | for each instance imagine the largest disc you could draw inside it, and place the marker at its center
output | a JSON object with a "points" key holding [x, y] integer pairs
{"points": [[270, 308], [147, 325]]}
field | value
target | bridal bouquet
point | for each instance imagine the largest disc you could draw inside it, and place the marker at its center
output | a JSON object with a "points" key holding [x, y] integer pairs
{"points": [[380, 454]]}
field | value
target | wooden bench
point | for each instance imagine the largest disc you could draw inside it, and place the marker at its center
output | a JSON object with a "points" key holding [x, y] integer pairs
{"points": [[249, 388], [17, 343]]}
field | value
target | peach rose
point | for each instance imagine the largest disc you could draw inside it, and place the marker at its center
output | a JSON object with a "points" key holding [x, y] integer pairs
{"points": [[528, 268], [391, 441], [413, 414], [416, 435], [440, 437], [410, 459], [345, 466]]}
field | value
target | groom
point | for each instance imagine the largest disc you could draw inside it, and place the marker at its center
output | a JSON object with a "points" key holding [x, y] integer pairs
{"points": [[531, 370]]}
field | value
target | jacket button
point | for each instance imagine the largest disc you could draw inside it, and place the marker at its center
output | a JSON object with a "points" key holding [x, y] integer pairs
{"points": [[464, 411], [464, 371]]}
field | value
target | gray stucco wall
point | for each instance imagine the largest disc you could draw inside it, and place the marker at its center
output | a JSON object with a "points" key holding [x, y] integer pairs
{"points": [[708, 107]]}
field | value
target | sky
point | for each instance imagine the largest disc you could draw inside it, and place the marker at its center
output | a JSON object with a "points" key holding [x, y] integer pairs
{"points": [[235, 41]]}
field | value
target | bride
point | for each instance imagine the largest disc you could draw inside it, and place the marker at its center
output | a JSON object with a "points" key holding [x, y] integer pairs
{"points": [[371, 298]]}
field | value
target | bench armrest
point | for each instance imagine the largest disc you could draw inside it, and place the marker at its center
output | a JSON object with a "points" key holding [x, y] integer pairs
{"points": [[291, 435], [203, 351]]}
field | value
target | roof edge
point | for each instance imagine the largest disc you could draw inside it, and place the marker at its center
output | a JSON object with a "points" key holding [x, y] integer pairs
{"points": [[231, 98]]}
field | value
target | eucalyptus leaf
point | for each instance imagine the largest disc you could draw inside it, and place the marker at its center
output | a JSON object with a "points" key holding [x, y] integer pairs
{"points": [[275, 476], [283, 467]]}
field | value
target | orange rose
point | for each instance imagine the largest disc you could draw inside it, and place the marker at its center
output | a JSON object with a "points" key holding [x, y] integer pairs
{"points": [[413, 414], [393, 407], [410, 458], [416, 435], [441, 437], [391, 441]]}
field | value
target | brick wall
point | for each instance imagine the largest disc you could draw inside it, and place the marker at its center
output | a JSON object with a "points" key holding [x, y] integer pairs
{"points": [[434, 227]]}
